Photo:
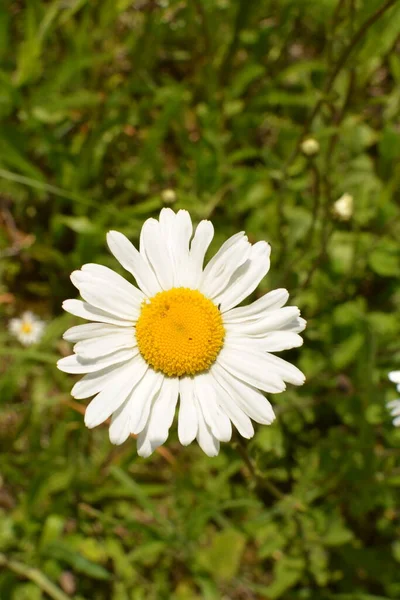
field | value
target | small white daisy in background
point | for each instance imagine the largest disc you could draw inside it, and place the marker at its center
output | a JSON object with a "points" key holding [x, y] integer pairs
{"points": [[394, 405], [28, 329], [343, 207], [178, 334], [310, 147]]}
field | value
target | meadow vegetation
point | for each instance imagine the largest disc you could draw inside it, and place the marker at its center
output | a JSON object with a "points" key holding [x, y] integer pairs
{"points": [[111, 110]]}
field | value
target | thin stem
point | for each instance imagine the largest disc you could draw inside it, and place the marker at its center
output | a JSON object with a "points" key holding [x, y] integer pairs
{"points": [[34, 575], [260, 482], [340, 63], [240, 22]]}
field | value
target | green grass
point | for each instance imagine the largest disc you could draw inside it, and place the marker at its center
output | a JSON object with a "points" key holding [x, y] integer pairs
{"points": [[104, 106]]}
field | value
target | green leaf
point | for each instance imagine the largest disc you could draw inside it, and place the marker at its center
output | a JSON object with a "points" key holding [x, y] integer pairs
{"points": [[222, 558]]}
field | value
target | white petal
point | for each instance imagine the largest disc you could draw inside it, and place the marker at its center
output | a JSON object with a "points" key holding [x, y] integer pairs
{"points": [[256, 310], [246, 278], [91, 313], [177, 230], [154, 249], [297, 325], [94, 348], [94, 273], [111, 299], [396, 422], [272, 321], [219, 256], [80, 333], [270, 342], [238, 417], [187, 420], [161, 417], [115, 393], [394, 407], [272, 363], [284, 369], [15, 326], [131, 259], [394, 376], [252, 368], [76, 365], [198, 248], [217, 274], [143, 396], [120, 421], [214, 416], [92, 383], [249, 399], [207, 441]]}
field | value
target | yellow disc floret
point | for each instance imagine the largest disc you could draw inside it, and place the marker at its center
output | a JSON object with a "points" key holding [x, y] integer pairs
{"points": [[26, 328], [180, 332]]}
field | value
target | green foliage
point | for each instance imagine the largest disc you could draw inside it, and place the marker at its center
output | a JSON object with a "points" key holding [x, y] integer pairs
{"points": [[106, 105]]}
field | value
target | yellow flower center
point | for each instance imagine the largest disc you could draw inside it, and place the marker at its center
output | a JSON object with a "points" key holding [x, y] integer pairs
{"points": [[179, 332], [26, 328]]}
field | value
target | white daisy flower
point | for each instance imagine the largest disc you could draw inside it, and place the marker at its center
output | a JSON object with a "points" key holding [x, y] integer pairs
{"points": [[178, 334], [394, 405], [343, 207], [28, 329], [394, 376]]}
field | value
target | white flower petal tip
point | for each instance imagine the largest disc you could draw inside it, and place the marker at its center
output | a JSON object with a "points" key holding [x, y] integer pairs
{"points": [[175, 335], [394, 376]]}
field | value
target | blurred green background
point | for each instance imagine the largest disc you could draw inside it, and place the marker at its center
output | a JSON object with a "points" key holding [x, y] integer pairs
{"points": [[113, 109]]}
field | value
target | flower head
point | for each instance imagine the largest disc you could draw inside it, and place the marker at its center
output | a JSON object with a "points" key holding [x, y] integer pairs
{"points": [[343, 207], [394, 405], [310, 147], [178, 334], [28, 329]]}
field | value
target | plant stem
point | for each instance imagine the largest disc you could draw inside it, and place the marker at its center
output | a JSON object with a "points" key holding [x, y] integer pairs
{"points": [[260, 482], [34, 575], [338, 66]]}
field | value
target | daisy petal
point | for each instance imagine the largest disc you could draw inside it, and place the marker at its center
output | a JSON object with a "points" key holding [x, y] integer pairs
{"points": [[215, 418], [273, 321], [238, 417], [80, 333], [161, 417], [115, 393], [111, 300], [394, 407], [120, 421], [106, 344], [252, 368], [275, 341], [297, 325], [246, 278], [285, 369], [154, 248], [207, 441], [202, 239], [91, 313], [143, 396], [103, 276], [178, 230], [249, 399], [218, 273], [256, 310], [394, 376], [76, 365], [187, 419], [92, 383], [131, 259]]}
